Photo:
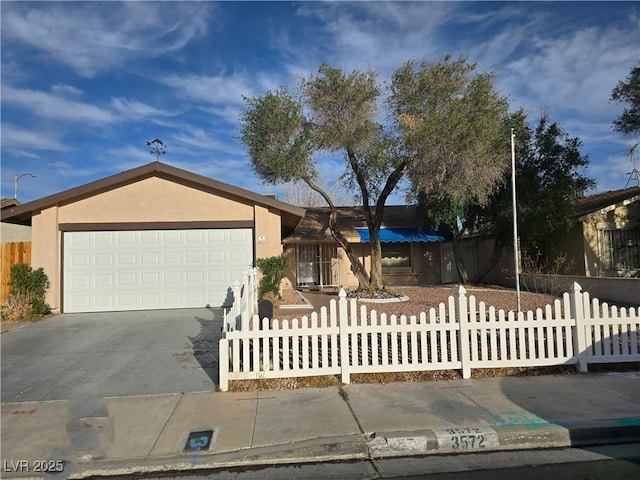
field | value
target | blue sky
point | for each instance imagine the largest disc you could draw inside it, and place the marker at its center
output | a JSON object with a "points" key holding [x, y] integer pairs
{"points": [[86, 84]]}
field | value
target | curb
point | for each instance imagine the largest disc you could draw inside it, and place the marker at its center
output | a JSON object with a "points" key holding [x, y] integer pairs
{"points": [[516, 437], [444, 441], [348, 447]]}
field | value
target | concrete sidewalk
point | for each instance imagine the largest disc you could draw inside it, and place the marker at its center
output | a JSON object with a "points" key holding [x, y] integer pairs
{"points": [[150, 433]]}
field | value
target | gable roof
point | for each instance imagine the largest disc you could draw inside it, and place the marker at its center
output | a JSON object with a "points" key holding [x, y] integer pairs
{"points": [[588, 206], [314, 227], [23, 213]]}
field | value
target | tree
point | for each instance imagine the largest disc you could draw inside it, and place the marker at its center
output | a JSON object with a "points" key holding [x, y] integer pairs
{"points": [[338, 112], [459, 123], [548, 179], [628, 92], [298, 193]]}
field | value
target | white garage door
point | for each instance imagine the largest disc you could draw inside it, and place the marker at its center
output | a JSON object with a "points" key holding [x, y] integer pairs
{"points": [[152, 269]]}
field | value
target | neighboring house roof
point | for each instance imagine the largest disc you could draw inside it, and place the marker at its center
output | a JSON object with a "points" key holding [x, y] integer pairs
{"points": [[588, 206], [23, 213], [314, 227], [8, 203]]}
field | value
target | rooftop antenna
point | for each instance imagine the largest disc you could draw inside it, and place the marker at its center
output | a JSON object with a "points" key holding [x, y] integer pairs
{"points": [[157, 148], [633, 174]]}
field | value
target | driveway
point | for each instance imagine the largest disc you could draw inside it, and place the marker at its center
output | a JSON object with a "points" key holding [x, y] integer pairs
{"points": [[79, 357]]}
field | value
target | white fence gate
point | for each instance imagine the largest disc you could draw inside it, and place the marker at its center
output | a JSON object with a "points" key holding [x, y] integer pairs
{"points": [[459, 335], [245, 303]]}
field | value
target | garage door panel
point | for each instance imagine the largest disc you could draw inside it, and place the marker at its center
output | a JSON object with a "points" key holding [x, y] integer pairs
{"points": [[133, 270]]}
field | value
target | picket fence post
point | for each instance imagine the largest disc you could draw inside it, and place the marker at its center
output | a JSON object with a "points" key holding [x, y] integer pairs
{"points": [[236, 304], [223, 364], [343, 322], [579, 336], [463, 328], [253, 291]]}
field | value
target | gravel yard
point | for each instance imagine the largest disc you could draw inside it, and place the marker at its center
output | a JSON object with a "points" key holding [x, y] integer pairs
{"points": [[421, 299]]}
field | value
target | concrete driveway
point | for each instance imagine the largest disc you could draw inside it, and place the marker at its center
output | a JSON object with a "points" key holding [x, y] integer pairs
{"points": [[78, 357]]}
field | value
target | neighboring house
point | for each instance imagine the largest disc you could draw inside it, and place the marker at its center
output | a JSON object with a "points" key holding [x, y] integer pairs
{"points": [[410, 255], [605, 240], [10, 232], [153, 237]]}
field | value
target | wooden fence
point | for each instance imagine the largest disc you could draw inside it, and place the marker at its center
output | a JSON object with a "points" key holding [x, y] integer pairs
{"points": [[11, 254], [459, 335]]}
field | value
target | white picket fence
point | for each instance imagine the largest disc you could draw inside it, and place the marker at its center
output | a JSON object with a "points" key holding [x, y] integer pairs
{"points": [[245, 303], [462, 334]]}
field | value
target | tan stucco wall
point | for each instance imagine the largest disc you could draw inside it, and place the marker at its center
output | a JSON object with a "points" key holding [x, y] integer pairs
{"points": [[46, 251], [623, 217], [149, 200], [572, 246], [154, 200], [267, 235]]}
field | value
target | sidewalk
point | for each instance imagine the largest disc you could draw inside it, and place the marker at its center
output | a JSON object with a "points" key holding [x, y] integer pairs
{"points": [[150, 433]]}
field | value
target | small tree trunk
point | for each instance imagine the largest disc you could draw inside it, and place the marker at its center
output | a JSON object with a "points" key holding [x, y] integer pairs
{"points": [[356, 265], [376, 282], [457, 253]]}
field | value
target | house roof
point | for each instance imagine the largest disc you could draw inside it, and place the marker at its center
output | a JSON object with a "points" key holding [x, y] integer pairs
{"points": [[23, 213], [8, 202], [314, 227], [587, 206]]}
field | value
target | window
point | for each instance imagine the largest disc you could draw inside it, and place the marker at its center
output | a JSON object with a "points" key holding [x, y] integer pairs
{"points": [[396, 255], [620, 249]]}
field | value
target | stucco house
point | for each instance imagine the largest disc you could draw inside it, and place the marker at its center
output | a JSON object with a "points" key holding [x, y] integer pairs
{"points": [[157, 236], [605, 238], [410, 255], [11, 232], [152, 237]]}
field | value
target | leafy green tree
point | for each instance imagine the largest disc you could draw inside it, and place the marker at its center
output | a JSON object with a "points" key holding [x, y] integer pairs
{"points": [[549, 169], [341, 112], [458, 124], [628, 93]]}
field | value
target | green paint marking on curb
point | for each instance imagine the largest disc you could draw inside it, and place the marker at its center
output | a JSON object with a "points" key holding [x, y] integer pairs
{"points": [[628, 422]]}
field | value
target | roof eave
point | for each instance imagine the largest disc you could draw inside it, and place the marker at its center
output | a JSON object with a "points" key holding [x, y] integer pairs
{"points": [[608, 208], [145, 171]]}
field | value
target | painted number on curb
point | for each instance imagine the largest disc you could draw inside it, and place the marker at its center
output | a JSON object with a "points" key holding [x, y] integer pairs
{"points": [[466, 438]]}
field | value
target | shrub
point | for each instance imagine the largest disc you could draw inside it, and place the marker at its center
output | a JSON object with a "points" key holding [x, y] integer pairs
{"points": [[273, 271], [27, 290]]}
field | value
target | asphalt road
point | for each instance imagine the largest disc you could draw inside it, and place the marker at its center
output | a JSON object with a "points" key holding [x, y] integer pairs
{"points": [[78, 356]]}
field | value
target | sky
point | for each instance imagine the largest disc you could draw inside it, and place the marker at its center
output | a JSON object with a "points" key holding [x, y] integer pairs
{"points": [[84, 85]]}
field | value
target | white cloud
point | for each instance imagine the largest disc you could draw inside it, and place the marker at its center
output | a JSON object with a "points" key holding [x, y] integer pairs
{"points": [[55, 107], [20, 141], [134, 110], [205, 143], [91, 37], [217, 90], [67, 91], [574, 72], [612, 172]]}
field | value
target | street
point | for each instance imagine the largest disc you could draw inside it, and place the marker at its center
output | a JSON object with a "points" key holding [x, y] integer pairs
{"points": [[613, 462]]}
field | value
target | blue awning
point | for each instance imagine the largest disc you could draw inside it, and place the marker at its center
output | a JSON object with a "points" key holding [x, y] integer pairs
{"points": [[404, 234]]}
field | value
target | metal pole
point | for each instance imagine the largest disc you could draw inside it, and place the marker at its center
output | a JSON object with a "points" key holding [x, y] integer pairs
{"points": [[515, 217]]}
